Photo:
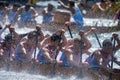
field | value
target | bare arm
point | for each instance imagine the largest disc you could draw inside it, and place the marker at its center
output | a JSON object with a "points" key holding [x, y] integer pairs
{"points": [[19, 11], [46, 41], [115, 36], [116, 15], [21, 48], [64, 40], [69, 43], [92, 30], [62, 4], [45, 12], [41, 35], [34, 12], [87, 44]]}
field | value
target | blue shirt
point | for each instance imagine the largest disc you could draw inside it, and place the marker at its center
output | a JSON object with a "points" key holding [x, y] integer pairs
{"points": [[78, 18], [47, 18], [92, 62]]}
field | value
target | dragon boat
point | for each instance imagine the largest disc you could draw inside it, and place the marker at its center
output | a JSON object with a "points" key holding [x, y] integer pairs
{"points": [[46, 69], [61, 17]]}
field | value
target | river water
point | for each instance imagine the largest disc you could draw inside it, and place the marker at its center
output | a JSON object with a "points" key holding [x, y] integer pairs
{"points": [[9, 75]]}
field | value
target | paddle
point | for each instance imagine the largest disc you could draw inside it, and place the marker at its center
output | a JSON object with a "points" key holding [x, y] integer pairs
{"points": [[81, 72], [52, 72], [69, 29], [113, 52], [35, 49], [37, 34], [97, 39], [8, 60]]}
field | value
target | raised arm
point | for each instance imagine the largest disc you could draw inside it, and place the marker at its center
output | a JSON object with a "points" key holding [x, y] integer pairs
{"points": [[63, 5], [64, 40], [92, 30], [41, 35], [34, 12], [19, 11], [115, 36], [116, 15], [46, 41], [87, 44]]}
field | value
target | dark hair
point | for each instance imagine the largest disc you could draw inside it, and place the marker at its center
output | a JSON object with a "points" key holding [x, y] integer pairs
{"points": [[107, 42], [112, 0], [102, 0], [6, 3], [2, 3], [50, 5], [55, 37], [0, 27], [72, 3], [37, 33], [31, 35], [16, 5], [8, 37], [28, 5]]}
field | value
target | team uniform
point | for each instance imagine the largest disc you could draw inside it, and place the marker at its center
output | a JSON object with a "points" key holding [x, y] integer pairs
{"points": [[78, 18]]}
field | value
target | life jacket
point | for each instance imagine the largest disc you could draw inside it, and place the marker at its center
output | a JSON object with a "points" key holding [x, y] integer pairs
{"points": [[41, 59], [26, 15], [21, 56], [11, 15], [61, 56], [92, 62], [64, 60], [47, 18]]}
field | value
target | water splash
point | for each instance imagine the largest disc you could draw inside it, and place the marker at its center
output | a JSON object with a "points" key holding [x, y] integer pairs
{"points": [[4, 75]]}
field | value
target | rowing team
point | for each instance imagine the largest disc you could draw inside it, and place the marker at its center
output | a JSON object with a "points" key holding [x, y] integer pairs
{"points": [[16, 13], [56, 48]]}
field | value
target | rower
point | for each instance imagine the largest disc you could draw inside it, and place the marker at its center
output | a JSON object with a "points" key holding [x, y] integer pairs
{"points": [[51, 46], [2, 12], [73, 49], [27, 14], [76, 13], [102, 57], [48, 13], [10, 41], [11, 12], [24, 50]]}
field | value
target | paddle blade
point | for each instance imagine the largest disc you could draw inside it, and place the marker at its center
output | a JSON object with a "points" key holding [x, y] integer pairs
{"points": [[80, 75]]}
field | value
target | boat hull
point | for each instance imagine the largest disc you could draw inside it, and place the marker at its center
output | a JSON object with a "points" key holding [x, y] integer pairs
{"points": [[47, 69]]}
